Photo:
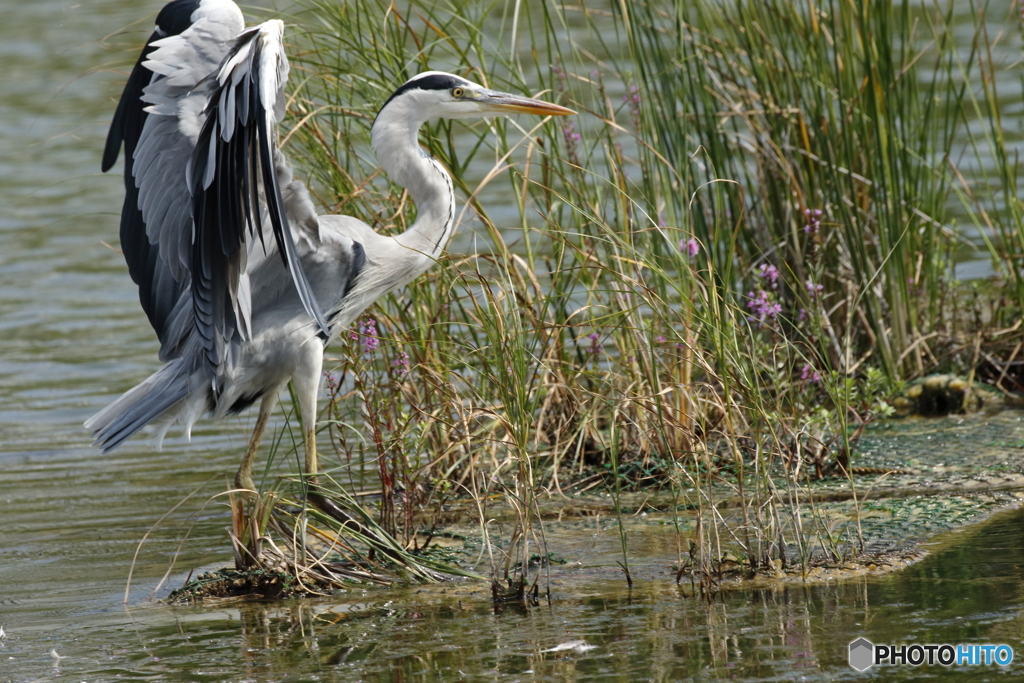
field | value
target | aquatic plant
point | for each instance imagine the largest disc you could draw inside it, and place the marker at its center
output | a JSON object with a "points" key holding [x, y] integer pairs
{"points": [[721, 266]]}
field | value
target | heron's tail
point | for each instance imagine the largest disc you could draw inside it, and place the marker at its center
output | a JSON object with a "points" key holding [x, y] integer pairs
{"points": [[171, 394]]}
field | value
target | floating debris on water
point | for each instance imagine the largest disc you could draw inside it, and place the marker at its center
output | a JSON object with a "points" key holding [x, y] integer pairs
{"points": [[575, 645], [940, 395]]}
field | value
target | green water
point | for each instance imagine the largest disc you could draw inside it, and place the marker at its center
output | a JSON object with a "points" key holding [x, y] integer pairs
{"points": [[972, 591], [72, 337]]}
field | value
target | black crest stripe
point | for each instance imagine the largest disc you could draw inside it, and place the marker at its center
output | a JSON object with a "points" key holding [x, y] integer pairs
{"points": [[431, 82]]}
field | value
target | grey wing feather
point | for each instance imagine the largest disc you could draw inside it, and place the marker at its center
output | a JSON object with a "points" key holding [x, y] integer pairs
{"points": [[176, 99], [157, 295], [233, 167], [209, 177]]}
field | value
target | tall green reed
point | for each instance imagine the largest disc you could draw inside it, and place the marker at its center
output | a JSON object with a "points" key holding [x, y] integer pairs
{"points": [[749, 217]]}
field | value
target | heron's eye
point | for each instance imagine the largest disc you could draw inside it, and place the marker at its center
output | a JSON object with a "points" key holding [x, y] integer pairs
{"points": [[458, 92]]}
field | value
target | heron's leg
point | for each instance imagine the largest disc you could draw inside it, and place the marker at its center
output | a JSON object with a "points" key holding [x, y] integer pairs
{"points": [[307, 387], [243, 478]]}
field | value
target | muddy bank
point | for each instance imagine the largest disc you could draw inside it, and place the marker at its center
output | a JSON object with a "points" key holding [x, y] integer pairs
{"points": [[916, 479]]}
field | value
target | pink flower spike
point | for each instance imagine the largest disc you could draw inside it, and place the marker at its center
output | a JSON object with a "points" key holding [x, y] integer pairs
{"points": [[368, 332], [690, 247], [401, 364], [769, 274], [762, 307], [809, 374], [813, 217]]}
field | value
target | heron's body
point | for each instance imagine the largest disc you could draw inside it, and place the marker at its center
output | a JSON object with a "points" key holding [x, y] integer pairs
{"points": [[240, 311]]}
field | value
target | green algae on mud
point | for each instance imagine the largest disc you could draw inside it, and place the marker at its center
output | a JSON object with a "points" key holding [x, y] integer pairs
{"points": [[227, 583]]}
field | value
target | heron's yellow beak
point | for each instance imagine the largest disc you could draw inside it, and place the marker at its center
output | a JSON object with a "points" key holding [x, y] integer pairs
{"points": [[504, 103]]}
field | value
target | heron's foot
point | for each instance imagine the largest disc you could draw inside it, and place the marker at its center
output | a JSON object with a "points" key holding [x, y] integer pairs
{"points": [[245, 487], [320, 501]]}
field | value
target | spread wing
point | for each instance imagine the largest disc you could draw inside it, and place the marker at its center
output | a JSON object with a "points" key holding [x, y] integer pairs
{"points": [[158, 292], [209, 177]]}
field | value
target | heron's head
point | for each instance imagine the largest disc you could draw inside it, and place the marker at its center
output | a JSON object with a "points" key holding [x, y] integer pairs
{"points": [[435, 94]]}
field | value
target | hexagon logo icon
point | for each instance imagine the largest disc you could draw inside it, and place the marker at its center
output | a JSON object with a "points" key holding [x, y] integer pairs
{"points": [[862, 654]]}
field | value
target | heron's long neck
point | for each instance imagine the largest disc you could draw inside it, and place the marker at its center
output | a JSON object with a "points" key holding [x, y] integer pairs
{"points": [[395, 140]]}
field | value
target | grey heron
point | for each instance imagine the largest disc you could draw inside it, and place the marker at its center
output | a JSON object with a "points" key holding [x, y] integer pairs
{"points": [[240, 314]]}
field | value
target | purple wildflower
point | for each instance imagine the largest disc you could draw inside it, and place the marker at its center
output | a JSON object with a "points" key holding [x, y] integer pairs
{"points": [[331, 381], [634, 100], [813, 289], [596, 346], [368, 333], [763, 308], [690, 246], [572, 142], [572, 137], [633, 97], [401, 364], [559, 73], [809, 374], [813, 217], [770, 274], [660, 339]]}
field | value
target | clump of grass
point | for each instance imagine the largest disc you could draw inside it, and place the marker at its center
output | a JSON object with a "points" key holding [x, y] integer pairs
{"points": [[277, 534], [717, 270]]}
